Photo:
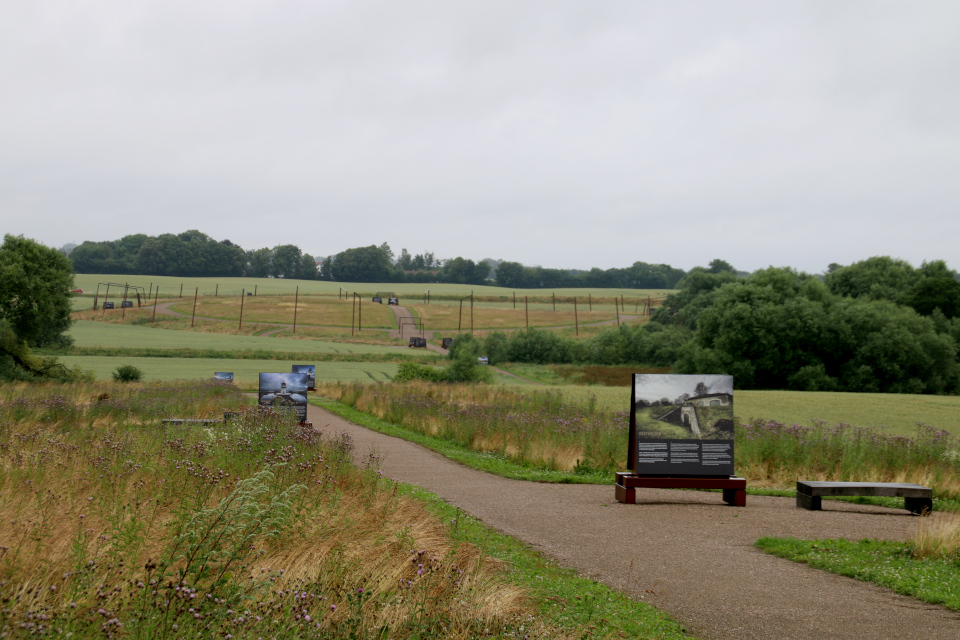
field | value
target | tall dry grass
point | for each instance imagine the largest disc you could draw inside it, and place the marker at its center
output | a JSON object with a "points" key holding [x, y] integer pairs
{"points": [[115, 525], [539, 429], [937, 536], [774, 454]]}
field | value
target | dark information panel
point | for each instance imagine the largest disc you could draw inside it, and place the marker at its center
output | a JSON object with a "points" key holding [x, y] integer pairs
{"points": [[684, 457]]}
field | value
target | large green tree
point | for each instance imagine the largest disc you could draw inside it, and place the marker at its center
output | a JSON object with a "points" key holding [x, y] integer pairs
{"points": [[35, 284], [779, 329], [363, 264]]}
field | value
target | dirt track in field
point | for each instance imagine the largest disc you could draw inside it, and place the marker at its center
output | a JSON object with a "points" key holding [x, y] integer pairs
{"points": [[684, 552]]}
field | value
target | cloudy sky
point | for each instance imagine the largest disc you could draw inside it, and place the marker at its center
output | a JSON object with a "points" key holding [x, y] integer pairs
{"points": [[564, 134]]}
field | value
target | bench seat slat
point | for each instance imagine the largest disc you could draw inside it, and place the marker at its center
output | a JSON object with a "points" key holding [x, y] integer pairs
{"points": [[878, 489]]}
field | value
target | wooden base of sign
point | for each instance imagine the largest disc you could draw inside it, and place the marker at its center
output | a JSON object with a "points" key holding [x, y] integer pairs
{"points": [[734, 489]]}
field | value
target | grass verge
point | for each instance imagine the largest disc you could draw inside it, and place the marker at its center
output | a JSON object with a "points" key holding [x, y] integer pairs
{"points": [[882, 562]]}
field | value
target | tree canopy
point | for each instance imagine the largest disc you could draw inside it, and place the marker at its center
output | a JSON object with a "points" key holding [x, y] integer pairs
{"points": [[35, 283], [35, 286]]}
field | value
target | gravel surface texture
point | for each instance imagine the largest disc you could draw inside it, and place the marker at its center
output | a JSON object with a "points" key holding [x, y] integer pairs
{"points": [[685, 552]]}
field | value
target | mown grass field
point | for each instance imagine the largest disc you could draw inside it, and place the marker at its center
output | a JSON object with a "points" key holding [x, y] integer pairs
{"points": [[97, 334], [145, 317], [246, 372], [311, 310], [278, 286]]}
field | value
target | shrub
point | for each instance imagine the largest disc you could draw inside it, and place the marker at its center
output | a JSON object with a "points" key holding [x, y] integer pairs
{"points": [[127, 373]]}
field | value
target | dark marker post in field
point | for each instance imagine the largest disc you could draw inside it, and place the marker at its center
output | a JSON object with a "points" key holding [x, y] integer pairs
{"points": [[471, 312], [576, 321], [460, 317], [514, 299], [216, 290], [255, 290], [526, 308], [155, 296], [590, 301], [96, 297], [296, 299], [181, 290], [123, 307], [195, 292], [359, 312], [243, 293], [617, 309], [353, 311], [554, 296], [105, 297]]}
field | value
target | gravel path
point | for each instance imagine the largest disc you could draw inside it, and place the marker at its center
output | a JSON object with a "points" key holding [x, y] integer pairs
{"points": [[682, 551]]}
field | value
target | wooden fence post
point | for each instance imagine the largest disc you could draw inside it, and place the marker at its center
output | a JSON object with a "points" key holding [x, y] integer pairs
{"points": [[193, 317], [243, 293], [296, 299], [576, 321], [155, 296]]}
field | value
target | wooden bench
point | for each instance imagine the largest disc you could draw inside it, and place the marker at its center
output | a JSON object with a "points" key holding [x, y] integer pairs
{"points": [[734, 489], [917, 499]]}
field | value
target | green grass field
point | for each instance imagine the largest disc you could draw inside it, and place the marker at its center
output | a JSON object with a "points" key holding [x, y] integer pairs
{"points": [[170, 286], [898, 412], [245, 371], [97, 334]]}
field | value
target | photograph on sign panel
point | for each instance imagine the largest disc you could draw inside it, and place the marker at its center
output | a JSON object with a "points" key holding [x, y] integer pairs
{"points": [[677, 407], [311, 371], [280, 390]]}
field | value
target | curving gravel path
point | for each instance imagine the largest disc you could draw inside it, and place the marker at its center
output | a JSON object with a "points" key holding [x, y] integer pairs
{"points": [[682, 551]]}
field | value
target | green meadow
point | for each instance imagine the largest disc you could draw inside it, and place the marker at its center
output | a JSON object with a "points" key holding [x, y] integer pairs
{"points": [[170, 286], [97, 334], [245, 372]]}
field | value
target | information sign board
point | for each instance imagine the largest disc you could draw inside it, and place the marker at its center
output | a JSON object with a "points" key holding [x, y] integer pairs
{"points": [[284, 390], [311, 371], [681, 425], [226, 376]]}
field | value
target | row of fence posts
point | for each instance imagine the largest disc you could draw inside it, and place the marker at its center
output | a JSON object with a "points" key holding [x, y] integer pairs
{"points": [[148, 294], [357, 311], [617, 304]]}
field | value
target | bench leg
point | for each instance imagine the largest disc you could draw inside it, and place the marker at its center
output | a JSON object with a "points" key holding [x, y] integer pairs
{"points": [[735, 497], [919, 506], [626, 495], [805, 501]]}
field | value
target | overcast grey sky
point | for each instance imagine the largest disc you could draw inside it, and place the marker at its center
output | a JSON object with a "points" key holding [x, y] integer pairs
{"points": [[565, 134]]}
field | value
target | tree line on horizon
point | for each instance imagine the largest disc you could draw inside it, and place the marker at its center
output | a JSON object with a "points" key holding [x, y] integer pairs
{"points": [[194, 254], [877, 326]]}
